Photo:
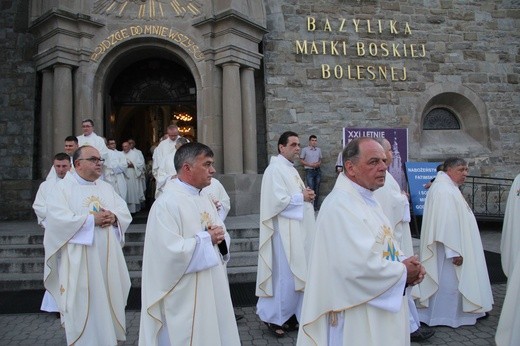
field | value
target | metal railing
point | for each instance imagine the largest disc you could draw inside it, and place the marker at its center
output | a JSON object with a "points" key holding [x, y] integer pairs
{"points": [[487, 197]]}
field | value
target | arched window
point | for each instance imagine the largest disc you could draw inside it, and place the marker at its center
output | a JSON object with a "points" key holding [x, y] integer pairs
{"points": [[441, 119]]}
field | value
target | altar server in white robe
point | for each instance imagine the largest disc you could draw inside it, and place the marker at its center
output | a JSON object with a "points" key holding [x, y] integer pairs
{"points": [[397, 209], [357, 273], [456, 289], [86, 223], [287, 227], [508, 330], [185, 291], [115, 169], [134, 171], [60, 166]]}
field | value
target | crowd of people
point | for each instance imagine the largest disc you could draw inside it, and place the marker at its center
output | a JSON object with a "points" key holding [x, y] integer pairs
{"points": [[339, 272]]}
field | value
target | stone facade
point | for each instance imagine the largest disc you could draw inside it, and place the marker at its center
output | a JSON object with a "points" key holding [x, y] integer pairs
{"points": [[260, 68], [18, 106], [470, 64]]}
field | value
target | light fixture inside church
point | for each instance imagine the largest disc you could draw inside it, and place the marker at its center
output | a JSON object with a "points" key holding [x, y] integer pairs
{"points": [[184, 129], [183, 117]]}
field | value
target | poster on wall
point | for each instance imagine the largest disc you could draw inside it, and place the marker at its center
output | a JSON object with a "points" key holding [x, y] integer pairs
{"points": [[398, 138], [419, 174]]}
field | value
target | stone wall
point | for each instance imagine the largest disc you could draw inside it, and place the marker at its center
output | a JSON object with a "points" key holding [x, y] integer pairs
{"points": [[458, 45], [17, 100]]}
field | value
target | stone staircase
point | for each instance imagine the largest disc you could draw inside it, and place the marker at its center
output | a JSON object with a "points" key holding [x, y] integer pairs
{"points": [[22, 254]]}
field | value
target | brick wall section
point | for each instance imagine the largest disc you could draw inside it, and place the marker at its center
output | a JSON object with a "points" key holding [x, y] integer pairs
{"points": [[17, 94]]}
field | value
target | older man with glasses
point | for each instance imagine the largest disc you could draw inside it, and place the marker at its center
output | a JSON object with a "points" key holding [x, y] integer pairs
{"points": [[86, 223]]}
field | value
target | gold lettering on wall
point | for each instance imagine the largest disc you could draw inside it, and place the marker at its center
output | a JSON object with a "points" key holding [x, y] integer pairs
{"points": [[378, 45], [114, 38], [359, 72]]}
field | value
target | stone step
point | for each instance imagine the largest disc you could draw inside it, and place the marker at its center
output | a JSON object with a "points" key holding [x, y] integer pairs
{"points": [[22, 253], [21, 250], [24, 265], [34, 281], [15, 247], [130, 249], [15, 238]]}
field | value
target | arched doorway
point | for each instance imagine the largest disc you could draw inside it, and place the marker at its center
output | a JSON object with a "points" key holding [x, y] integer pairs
{"points": [[147, 96]]}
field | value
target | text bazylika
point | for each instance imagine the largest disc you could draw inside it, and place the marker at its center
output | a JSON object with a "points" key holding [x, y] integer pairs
{"points": [[372, 47]]}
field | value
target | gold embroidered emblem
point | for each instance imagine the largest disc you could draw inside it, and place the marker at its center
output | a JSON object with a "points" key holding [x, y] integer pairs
{"points": [[62, 289], [205, 219], [386, 236], [93, 203]]}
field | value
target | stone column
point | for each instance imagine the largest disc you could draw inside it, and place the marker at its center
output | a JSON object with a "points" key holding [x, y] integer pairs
{"points": [[62, 105], [232, 119], [47, 143], [247, 79]]}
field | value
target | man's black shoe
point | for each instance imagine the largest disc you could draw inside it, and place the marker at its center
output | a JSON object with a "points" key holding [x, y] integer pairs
{"points": [[486, 315], [421, 334], [238, 317]]}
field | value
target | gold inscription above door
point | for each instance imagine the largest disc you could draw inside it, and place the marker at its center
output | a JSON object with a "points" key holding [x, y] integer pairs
{"points": [[148, 9]]}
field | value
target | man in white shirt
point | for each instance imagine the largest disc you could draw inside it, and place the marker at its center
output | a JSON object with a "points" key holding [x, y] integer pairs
{"points": [[85, 270], [287, 226], [357, 273], [185, 291], [310, 157], [456, 289]]}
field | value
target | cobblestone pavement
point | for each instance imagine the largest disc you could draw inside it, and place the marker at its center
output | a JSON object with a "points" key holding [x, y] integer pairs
{"points": [[45, 329]]}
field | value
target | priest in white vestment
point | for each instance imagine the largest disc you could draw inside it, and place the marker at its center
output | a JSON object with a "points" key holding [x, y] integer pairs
{"points": [[60, 166], [397, 209], [456, 290], [142, 179], [70, 146], [86, 223], [89, 137], [287, 227], [218, 195], [357, 273], [163, 167], [185, 291], [115, 169], [508, 330], [166, 171], [134, 171]]}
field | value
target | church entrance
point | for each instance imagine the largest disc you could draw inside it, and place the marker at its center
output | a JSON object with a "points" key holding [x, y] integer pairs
{"points": [[146, 97]]}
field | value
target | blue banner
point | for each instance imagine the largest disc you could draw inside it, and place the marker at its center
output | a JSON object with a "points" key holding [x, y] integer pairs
{"points": [[419, 174]]}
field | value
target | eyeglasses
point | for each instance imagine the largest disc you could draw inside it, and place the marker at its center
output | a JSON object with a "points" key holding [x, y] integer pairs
{"points": [[94, 160]]}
